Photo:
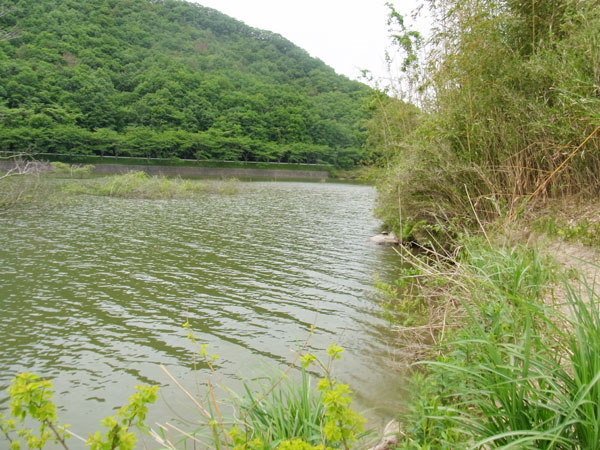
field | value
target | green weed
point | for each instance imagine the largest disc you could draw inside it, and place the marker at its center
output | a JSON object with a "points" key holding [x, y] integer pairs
{"points": [[139, 185], [515, 374], [582, 231], [31, 397], [275, 413], [402, 301], [72, 170], [293, 410], [513, 271]]}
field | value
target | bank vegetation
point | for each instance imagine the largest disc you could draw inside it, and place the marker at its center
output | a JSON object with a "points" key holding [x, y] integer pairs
{"points": [[496, 118]]}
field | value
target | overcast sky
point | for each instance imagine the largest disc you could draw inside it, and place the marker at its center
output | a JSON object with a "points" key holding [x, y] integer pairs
{"points": [[348, 35]]}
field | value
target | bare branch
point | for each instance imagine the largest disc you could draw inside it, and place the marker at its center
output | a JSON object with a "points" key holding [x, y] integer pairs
{"points": [[17, 164]]}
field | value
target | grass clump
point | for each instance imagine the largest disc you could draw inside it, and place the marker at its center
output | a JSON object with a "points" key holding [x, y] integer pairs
{"points": [[513, 372], [140, 185], [509, 271], [230, 186], [292, 410], [279, 413], [72, 170]]}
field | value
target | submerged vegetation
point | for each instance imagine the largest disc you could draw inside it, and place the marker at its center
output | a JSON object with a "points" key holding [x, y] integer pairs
{"points": [[56, 183]]}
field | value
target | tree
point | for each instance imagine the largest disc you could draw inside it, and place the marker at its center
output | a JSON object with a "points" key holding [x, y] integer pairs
{"points": [[11, 33], [195, 82]]}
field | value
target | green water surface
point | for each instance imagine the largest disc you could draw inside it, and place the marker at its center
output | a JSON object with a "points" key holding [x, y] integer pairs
{"points": [[94, 293]]}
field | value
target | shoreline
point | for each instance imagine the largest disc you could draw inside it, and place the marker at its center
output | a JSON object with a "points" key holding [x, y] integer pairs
{"points": [[187, 171], [197, 171]]}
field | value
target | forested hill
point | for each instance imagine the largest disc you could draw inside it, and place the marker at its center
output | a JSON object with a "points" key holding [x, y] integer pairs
{"points": [[168, 78]]}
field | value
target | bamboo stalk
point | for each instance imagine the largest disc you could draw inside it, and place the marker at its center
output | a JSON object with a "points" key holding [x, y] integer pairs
{"points": [[544, 183]]}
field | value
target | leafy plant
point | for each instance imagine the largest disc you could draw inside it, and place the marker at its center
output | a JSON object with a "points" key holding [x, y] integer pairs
{"points": [[342, 425], [276, 413], [31, 397], [130, 415]]}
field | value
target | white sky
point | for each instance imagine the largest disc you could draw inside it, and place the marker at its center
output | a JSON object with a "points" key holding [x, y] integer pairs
{"points": [[348, 35]]}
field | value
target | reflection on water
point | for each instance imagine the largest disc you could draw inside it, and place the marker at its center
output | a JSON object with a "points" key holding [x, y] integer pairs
{"points": [[94, 294]]}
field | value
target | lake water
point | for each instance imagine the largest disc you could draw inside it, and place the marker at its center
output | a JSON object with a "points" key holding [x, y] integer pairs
{"points": [[94, 293]]}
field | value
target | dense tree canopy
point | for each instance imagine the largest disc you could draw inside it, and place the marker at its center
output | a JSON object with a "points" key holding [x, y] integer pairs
{"points": [[172, 79]]}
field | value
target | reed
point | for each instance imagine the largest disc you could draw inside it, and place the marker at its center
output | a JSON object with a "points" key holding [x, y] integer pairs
{"points": [[505, 115]]}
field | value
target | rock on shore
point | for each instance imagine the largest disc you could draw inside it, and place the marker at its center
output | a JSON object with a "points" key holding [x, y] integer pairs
{"points": [[385, 238]]}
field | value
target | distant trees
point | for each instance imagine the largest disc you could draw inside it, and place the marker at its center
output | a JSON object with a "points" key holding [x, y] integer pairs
{"points": [[168, 78], [7, 33]]}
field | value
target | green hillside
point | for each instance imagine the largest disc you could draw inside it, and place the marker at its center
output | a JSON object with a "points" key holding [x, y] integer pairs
{"points": [[167, 78]]}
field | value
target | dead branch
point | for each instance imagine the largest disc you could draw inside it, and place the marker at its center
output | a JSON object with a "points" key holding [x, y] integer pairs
{"points": [[22, 166]]}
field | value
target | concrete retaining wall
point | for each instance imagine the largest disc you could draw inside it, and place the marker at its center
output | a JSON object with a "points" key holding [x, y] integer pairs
{"points": [[189, 171], [213, 171]]}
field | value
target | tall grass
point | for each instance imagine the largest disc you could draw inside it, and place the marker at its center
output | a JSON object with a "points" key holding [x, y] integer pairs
{"points": [[508, 270], [531, 391], [517, 373], [267, 413], [292, 410], [141, 185], [72, 171], [274, 412], [138, 185], [509, 102]]}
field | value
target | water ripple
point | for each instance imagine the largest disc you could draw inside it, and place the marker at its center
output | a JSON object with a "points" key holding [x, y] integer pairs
{"points": [[95, 292]]}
